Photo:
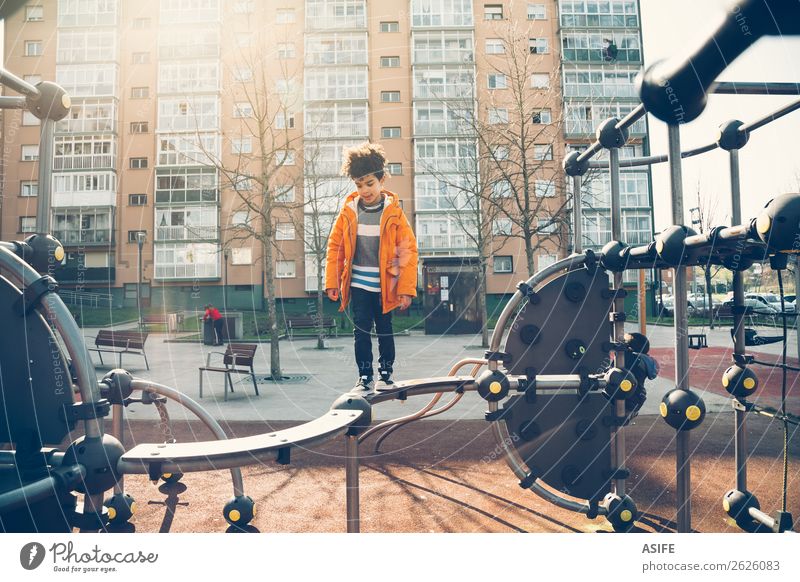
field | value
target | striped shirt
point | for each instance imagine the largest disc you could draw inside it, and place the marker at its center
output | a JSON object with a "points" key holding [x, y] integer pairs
{"points": [[366, 274]]}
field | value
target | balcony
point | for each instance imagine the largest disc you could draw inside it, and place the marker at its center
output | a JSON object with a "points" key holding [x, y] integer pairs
{"points": [[587, 128], [80, 275], [190, 233], [73, 237], [90, 162]]}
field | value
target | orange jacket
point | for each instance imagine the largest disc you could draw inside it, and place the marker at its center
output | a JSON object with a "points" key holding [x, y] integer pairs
{"points": [[397, 255]]}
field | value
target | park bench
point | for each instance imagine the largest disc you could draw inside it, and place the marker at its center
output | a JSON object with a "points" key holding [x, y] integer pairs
{"points": [[237, 358], [309, 322], [171, 321], [120, 342]]}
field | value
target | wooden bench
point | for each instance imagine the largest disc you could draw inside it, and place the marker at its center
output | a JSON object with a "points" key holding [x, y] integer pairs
{"points": [[163, 319], [310, 322], [238, 358], [120, 342], [697, 341]]}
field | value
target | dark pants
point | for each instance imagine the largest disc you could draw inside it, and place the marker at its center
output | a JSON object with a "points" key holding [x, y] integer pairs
{"points": [[218, 330], [367, 309]]}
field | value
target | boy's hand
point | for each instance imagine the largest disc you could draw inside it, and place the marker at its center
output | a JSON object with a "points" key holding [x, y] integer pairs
{"points": [[333, 294], [405, 301]]}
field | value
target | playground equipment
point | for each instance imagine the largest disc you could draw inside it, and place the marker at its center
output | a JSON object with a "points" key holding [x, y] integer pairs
{"points": [[557, 404]]}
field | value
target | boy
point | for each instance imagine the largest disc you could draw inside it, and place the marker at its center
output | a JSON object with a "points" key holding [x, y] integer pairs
{"points": [[372, 260]]}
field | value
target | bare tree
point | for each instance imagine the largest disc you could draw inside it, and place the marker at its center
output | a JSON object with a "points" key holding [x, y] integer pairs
{"points": [[259, 171], [706, 220]]}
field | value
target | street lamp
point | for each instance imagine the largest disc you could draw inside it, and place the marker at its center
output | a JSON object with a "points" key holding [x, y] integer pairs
{"points": [[225, 280], [141, 236]]}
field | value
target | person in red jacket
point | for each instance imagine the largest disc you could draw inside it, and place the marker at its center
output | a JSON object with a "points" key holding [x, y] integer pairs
{"points": [[215, 316], [371, 261]]}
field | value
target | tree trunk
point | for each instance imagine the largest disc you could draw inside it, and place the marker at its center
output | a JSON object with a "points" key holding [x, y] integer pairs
{"points": [[483, 311], [707, 273], [272, 316], [529, 254], [320, 308]]}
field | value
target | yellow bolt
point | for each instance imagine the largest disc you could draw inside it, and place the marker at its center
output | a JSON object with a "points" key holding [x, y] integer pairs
{"points": [[763, 223], [625, 515], [112, 513], [166, 475], [59, 254], [662, 408], [495, 387], [693, 413], [749, 383], [234, 515], [726, 505], [626, 385], [725, 381], [659, 246], [133, 507]]}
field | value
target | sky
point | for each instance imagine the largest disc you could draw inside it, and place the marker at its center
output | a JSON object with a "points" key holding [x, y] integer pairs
{"points": [[770, 162]]}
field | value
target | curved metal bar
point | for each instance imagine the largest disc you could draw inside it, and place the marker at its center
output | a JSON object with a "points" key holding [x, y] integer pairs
{"points": [[750, 88], [57, 314], [11, 81], [518, 467], [652, 160], [411, 417], [199, 412], [499, 329], [430, 413], [635, 115]]}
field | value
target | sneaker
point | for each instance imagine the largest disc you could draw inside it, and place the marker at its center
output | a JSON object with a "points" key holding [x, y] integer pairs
{"points": [[365, 383], [385, 383]]}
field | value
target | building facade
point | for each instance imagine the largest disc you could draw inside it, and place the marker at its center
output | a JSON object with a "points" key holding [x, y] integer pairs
{"points": [[185, 112]]}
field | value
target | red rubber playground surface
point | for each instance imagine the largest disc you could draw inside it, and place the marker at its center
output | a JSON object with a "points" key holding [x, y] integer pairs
{"points": [[707, 365]]}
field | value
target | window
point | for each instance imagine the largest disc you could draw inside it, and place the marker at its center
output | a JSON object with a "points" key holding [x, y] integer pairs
{"points": [[390, 96], [493, 12], [394, 169], [500, 152], [242, 145], [140, 58], [33, 48], [137, 199], [497, 81], [34, 13], [284, 157], [543, 152], [243, 256], [242, 183], [340, 48], [242, 110], [285, 16], [503, 264], [390, 62], [537, 12], [336, 83], [284, 120], [390, 27], [501, 227], [27, 224], [138, 163], [544, 188], [495, 46], [601, 46], [546, 225], [390, 132], [187, 260], [29, 189], [139, 127], [30, 153], [542, 116], [284, 231], [286, 50], [284, 270], [242, 74], [182, 185], [618, 13], [240, 218], [498, 116], [501, 189], [33, 79], [182, 149], [87, 13], [133, 235], [284, 194], [141, 23], [546, 260], [538, 46], [29, 118], [540, 81], [244, 7], [140, 92]]}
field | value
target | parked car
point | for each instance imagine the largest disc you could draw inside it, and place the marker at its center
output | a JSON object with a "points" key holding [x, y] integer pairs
{"points": [[759, 304], [668, 306]]}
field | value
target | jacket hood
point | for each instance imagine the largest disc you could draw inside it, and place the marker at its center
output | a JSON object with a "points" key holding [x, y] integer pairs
{"points": [[390, 197]]}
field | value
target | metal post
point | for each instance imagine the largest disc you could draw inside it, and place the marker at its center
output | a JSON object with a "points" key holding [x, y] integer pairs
{"points": [[642, 303], [351, 484], [117, 429], [619, 307], [225, 283], [140, 236], [46, 143], [683, 467], [577, 215], [740, 416]]}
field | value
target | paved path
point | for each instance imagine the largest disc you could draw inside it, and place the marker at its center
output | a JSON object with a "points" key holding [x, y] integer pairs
{"points": [[329, 373]]}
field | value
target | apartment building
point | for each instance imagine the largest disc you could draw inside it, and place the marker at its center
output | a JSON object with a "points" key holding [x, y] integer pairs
{"points": [[186, 113]]}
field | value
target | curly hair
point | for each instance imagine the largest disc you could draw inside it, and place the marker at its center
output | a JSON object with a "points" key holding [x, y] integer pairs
{"points": [[364, 159]]}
